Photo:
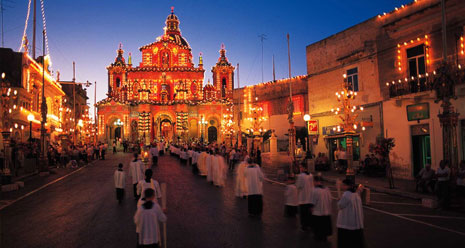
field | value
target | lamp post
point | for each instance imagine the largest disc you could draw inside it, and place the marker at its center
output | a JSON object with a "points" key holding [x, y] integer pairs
{"points": [[348, 115], [30, 118], [203, 123], [309, 137]]}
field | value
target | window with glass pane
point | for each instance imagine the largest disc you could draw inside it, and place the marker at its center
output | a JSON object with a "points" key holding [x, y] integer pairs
{"points": [[352, 79], [417, 66]]}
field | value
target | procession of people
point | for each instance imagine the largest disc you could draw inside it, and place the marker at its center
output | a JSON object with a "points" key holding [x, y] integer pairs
{"points": [[306, 197]]}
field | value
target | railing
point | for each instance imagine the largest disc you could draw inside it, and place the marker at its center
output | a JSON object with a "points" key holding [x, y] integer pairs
{"points": [[409, 86]]}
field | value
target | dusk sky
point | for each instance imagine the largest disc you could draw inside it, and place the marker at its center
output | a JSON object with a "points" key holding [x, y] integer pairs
{"points": [[89, 31]]}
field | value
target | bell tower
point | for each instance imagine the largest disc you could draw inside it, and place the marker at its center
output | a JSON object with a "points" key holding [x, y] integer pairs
{"points": [[223, 76], [116, 74]]}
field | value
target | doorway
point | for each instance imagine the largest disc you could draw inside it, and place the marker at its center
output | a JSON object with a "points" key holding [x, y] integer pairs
{"points": [[421, 147], [212, 134], [118, 133]]}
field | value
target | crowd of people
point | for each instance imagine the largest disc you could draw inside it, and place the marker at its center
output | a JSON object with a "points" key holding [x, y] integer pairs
{"points": [[431, 181], [306, 197], [312, 201]]}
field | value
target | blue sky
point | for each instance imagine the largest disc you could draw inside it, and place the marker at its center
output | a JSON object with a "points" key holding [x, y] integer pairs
{"points": [[89, 31]]}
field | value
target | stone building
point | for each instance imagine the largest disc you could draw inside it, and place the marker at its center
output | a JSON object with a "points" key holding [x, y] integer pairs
{"points": [[390, 61], [273, 98], [164, 97], [24, 76]]}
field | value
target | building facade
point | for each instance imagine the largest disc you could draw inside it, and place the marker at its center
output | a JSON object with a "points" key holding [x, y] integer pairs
{"points": [[391, 61], [23, 79], [165, 97]]}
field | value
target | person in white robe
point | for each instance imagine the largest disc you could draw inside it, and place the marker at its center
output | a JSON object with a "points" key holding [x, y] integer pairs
{"points": [[304, 184], [241, 182], [148, 183], [350, 218], [136, 172], [292, 200], [209, 167], [154, 154], [321, 201], [147, 219], [219, 170], [254, 177], [120, 181], [195, 160], [201, 163]]}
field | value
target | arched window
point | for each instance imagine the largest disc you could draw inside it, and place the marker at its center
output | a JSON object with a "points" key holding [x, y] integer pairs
{"points": [[223, 87], [165, 59], [118, 82]]}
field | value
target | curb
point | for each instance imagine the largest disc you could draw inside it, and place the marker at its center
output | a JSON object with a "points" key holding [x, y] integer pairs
{"points": [[388, 191]]}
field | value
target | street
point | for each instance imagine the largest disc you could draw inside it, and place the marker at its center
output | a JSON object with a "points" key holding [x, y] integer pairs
{"points": [[81, 211]]}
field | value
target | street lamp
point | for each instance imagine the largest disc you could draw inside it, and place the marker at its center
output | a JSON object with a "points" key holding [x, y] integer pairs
{"points": [[309, 137], [119, 123], [202, 122], [30, 118]]}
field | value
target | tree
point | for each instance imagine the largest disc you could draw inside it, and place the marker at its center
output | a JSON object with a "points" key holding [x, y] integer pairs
{"points": [[382, 148]]}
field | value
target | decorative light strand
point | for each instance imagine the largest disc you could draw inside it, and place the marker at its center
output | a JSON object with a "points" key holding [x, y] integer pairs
{"points": [[406, 79], [396, 9], [399, 55], [25, 26], [462, 45], [45, 26]]}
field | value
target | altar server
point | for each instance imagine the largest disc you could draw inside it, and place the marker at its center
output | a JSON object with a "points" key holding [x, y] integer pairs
{"points": [[254, 177], [147, 217], [350, 218], [304, 184], [136, 171], [321, 201]]}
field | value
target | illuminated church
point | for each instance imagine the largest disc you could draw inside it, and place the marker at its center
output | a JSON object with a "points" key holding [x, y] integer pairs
{"points": [[165, 97]]}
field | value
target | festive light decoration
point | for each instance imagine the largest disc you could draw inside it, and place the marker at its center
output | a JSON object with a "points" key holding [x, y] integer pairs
{"points": [[227, 123], [401, 50], [347, 112], [396, 9], [462, 46]]}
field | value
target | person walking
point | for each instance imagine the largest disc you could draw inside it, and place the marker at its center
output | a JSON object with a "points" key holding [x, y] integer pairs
{"points": [[350, 218], [292, 201], [443, 175], [254, 177], [304, 184], [147, 183], [147, 219], [321, 211], [120, 180], [154, 154], [136, 171]]}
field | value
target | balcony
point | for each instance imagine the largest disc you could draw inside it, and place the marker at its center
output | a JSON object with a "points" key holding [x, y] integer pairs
{"points": [[411, 85]]}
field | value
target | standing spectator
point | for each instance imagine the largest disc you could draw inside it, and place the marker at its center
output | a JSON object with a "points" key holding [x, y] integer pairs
{"points": [[425, 179], [146, 219], [259, 157], [350, 218], [461, 178], [443, 175], [321, 201], [254, 176], [120, 179], [231, 159], [114, 147]]}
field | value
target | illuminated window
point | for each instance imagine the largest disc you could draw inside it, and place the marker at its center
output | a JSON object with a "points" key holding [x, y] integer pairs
{"points": [[352, 79], [416, 67], [223, 87]]}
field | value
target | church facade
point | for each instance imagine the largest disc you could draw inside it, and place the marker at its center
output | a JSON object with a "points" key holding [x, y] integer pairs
{"points": [[165, 97]]}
